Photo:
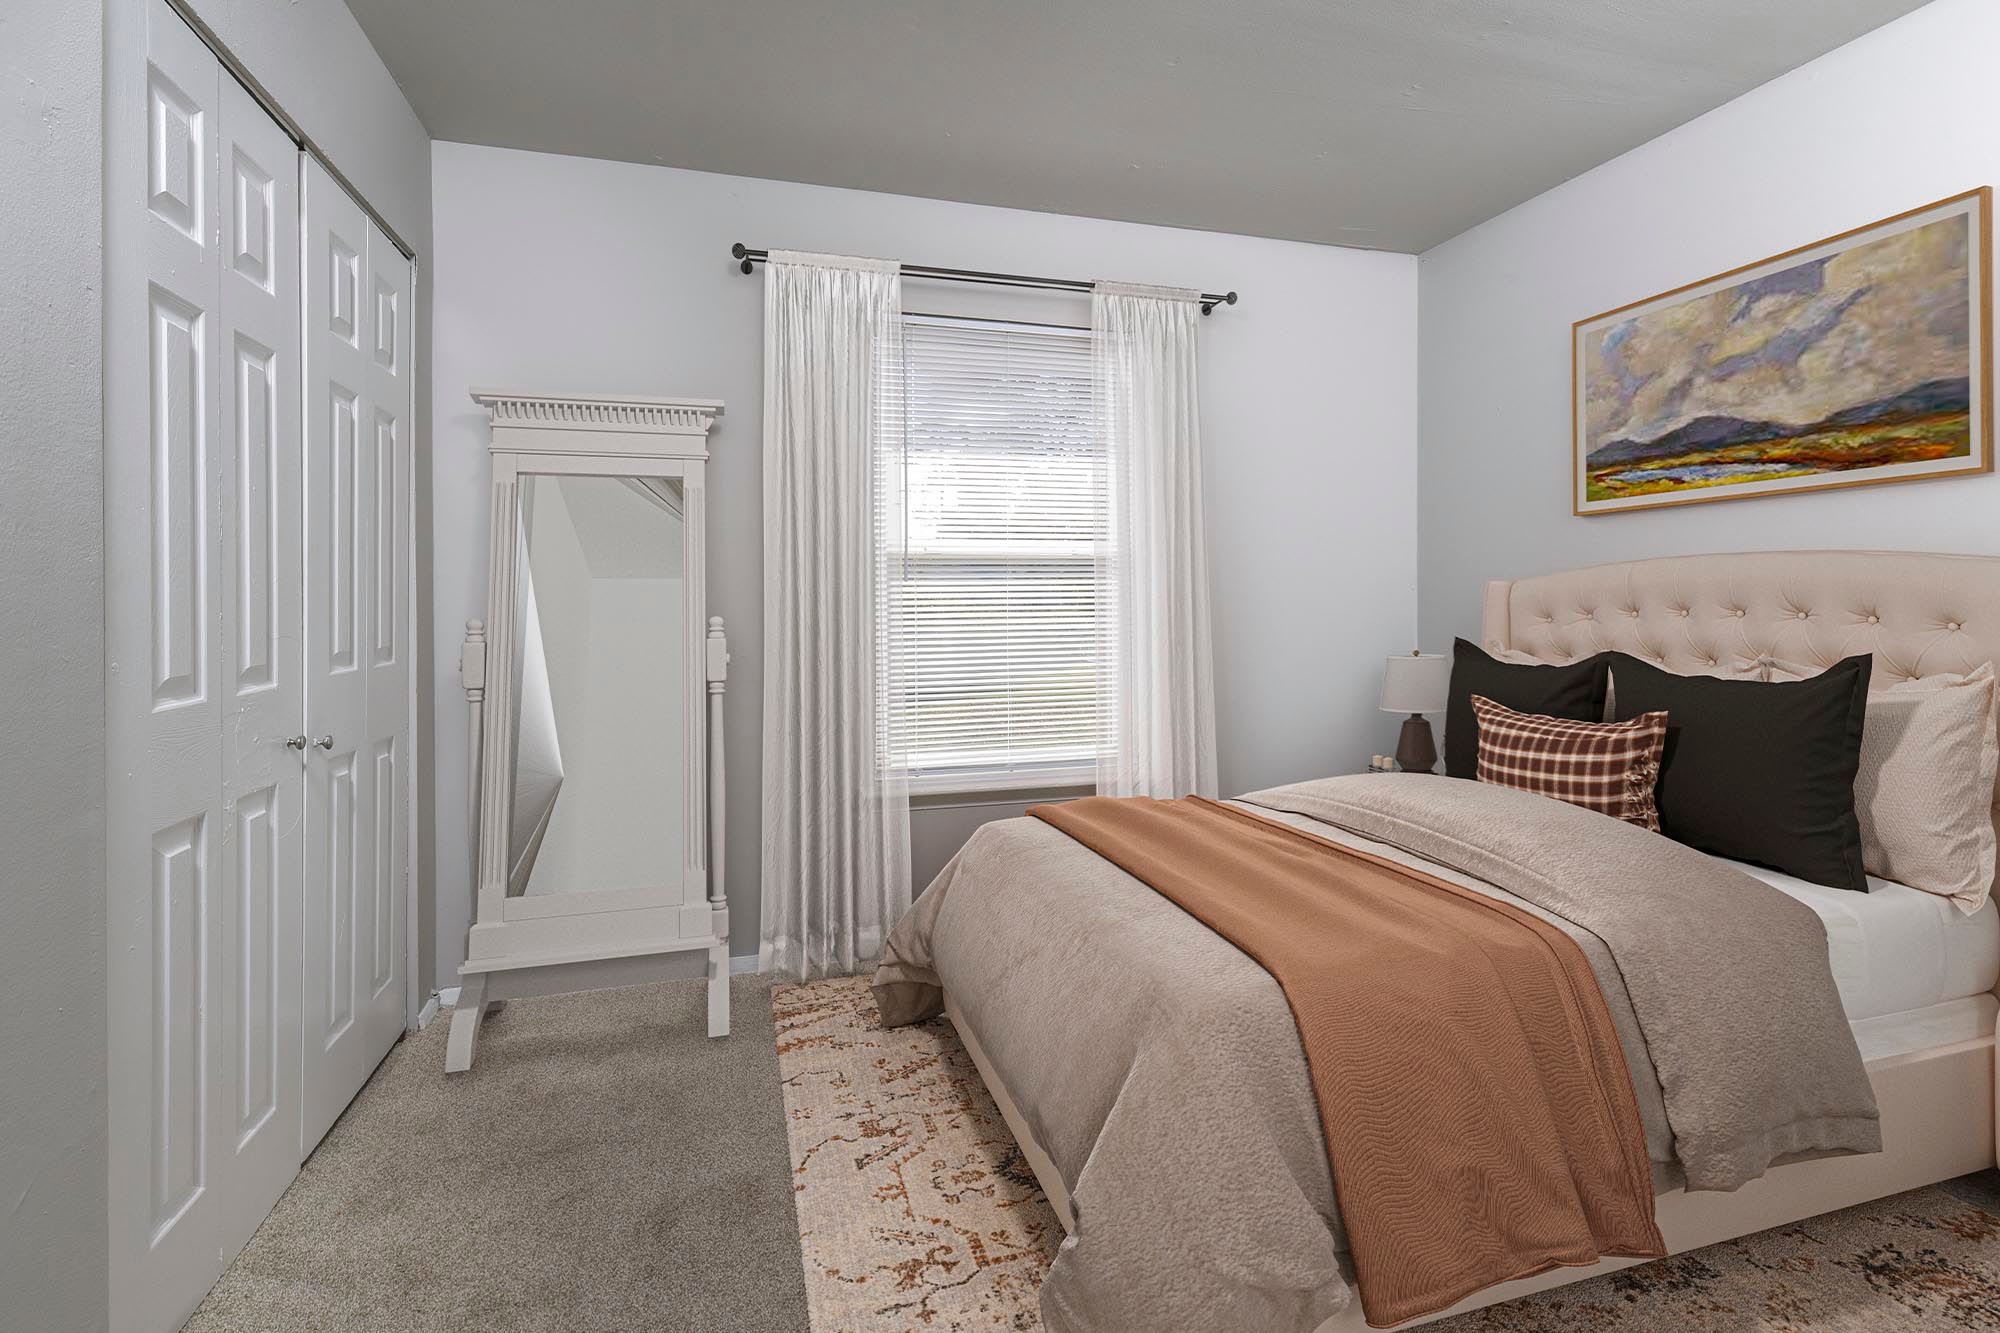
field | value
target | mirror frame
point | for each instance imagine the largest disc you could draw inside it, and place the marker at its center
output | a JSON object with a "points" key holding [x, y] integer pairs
{"points": [[534, 435]]}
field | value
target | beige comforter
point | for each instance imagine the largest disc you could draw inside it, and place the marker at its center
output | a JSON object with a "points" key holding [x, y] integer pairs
{"points": [[1162, 1071]]}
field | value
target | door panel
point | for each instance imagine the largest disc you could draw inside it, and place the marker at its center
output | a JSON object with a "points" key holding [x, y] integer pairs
{"points": [[203, 674], [263, 668], [387, 652], [181, 979], [182, 399], [164, 708], [264, 1088], [357, 535]]}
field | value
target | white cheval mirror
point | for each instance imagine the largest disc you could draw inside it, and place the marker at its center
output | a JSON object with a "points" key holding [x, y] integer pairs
{"points": [[596, 692]]}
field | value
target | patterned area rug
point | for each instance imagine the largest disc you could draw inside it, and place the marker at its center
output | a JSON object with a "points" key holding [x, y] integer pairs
{"points": [[917, 1213], [915, 1208], [1926, 1260]]}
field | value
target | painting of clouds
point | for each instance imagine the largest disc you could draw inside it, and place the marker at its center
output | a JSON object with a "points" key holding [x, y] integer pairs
{"points": [[1858, 359]]}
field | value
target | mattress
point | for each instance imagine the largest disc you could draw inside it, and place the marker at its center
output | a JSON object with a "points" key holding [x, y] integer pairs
{"points": [[1895, 949]]}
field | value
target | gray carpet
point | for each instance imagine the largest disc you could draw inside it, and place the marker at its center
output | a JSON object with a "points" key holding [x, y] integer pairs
{"points": [[604, 1168]]}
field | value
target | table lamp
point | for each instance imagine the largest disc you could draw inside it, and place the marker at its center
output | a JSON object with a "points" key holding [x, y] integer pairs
{"points": [[1416, 684]]}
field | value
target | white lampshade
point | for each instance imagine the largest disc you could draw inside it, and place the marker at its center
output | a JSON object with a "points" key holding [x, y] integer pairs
{"points": [[1416, 683]]}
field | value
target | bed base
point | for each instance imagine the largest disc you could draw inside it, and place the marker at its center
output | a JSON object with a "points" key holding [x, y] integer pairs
{"points": [[1937, 1122]]}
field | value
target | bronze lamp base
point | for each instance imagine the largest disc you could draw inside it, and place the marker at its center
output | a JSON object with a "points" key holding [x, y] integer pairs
{"points": [[1415, 751]]}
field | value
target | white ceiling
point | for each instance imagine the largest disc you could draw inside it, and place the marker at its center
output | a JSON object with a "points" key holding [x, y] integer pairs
{"points": [[1392, 124]]}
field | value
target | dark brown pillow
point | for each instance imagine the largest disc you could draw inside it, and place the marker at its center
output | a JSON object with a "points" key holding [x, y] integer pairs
{"points": [[1760, 771], [1573, 691]]}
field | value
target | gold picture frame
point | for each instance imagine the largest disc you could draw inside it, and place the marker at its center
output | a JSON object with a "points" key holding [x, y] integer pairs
{"points": [[1860, 359]]}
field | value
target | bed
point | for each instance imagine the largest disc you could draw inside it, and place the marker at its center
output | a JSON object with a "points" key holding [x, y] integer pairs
{"points": [[1915, 977]]}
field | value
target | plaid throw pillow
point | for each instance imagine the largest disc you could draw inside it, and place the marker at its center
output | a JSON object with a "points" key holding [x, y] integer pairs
{"points": [[1610, 767]]}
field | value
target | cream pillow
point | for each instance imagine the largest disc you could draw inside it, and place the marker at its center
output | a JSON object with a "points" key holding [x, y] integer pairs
{"points": [[1924, 794]]}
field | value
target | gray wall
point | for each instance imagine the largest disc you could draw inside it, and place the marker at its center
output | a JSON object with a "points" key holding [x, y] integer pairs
{"points": [[311, 54], [570, 274], [52, 986], [1810, 154]]}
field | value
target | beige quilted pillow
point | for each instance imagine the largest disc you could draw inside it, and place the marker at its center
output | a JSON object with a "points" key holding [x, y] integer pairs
{"points": [[1748, 671], [1925, 792]]}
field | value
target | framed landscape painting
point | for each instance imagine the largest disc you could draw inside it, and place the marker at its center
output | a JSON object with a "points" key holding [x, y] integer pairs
{"points": [[1861, 358]]}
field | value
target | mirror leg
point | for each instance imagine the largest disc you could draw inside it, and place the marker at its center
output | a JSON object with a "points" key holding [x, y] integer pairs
{"points": [[718, 990], [465, 1020]]}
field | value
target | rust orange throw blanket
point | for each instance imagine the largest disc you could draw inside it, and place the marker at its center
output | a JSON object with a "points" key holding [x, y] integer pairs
{"points": [[1479, 1120]]}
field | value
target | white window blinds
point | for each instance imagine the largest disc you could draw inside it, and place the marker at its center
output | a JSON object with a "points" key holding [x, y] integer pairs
{"points": [[994, 624]]}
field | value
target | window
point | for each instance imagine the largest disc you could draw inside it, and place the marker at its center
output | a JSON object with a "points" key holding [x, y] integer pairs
{"points": [[994, 601]]}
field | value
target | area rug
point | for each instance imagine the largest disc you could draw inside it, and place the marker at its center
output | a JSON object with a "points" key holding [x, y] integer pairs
{"points": [[1925, 1260], [917, 1213]]}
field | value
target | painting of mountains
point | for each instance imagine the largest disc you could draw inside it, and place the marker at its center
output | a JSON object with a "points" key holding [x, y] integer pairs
{"points": [[1858, 359]]}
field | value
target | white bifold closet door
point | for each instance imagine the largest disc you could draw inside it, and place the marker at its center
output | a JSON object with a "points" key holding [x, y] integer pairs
{"points": [[357, 377], [257, 576], [205, 680]]}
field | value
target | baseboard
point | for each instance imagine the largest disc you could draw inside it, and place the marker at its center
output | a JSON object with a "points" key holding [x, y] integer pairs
{"points": [[447, 996]]}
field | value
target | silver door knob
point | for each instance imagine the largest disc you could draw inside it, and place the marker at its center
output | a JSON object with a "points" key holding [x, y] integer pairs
{"points": [[296, 743], [324, 742]]}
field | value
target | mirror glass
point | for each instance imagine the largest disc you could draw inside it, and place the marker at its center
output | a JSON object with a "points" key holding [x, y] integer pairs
{"points": [[600, 687]]}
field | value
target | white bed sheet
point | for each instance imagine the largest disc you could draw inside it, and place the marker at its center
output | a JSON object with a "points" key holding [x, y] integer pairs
{"points": [[1896, 949], [1969, 1018]]}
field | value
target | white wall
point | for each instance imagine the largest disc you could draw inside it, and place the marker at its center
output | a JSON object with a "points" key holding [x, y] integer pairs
{"points": [[1898, 118], [52, 979], [559, 273]]}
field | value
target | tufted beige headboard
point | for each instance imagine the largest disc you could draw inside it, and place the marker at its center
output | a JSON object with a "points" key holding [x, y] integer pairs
{"points": [[1918, 613]]}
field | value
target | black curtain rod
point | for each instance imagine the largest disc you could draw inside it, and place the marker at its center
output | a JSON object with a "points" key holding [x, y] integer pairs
{"points": [[1209, 300]]}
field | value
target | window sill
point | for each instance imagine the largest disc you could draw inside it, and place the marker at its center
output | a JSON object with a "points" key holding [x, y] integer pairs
{"points": [[1012, 795]]}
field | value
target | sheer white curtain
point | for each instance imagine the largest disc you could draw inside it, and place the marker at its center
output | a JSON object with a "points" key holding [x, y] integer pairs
{"points": [[836, 836], [1156, 684]]}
